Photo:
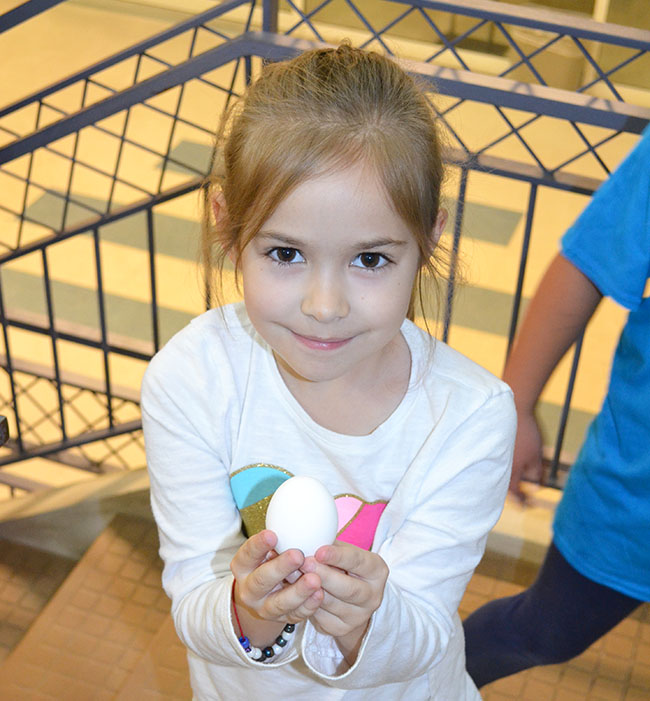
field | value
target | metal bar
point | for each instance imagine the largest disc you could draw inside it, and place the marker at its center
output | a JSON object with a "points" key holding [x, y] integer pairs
{"points": [[538, 99], [609, 137], [170, 140], [522, 267], [102, 325], [305, 18], [458, 226], [141, 146], [45, 372], [590, 148], [389, 26], [82, 439], [152, 279], [367, 25], [507, 93], [197, 20], [53, 336], [270, 15], [525, 172], [10, 368], [42, 188], [503, 137], [523, 58], [103, 220], [450, 45], [120, 149], [126, 98], [526, 60], [552, 478], [598, 70], [515, 132], [89, 342], [540, 18], [611, 71], [23, 12], [73, 162], [27, 182]]}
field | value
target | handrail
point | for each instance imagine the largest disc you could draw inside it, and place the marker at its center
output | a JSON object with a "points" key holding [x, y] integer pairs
{"points": [[23, 12], [542, 19], [134, 50], [466, 84]]}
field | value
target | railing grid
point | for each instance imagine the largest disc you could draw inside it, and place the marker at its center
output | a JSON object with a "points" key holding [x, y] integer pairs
{"points": [[487, 61]]}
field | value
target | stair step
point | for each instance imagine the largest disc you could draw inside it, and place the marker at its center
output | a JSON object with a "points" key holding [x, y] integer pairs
{"points": [[105, 630], [29, 577]]}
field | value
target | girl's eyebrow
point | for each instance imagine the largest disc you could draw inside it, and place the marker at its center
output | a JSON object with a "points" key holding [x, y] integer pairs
{"points": [[281, 238], [379, 243], [359, 245]]}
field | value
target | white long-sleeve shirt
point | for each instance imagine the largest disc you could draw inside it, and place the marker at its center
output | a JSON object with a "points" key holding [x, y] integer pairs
{"points": [[222, 431]]}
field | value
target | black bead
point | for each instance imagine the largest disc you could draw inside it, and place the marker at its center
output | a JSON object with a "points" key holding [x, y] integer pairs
{"points": [[290, 627], [268, 652], [280, 641]]}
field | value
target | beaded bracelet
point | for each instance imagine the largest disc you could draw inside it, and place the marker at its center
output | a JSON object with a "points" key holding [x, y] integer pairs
{"points": [[266, 653]]}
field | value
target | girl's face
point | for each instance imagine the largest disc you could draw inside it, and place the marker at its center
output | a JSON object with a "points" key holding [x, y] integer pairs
{"points": [[328, 279]]}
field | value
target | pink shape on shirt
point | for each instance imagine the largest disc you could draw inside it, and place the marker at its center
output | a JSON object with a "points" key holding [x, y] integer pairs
{"points": [[361, 531], [347, 507]]}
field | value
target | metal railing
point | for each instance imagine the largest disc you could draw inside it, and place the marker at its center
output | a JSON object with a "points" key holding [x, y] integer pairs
{"points": [[208, 59]]}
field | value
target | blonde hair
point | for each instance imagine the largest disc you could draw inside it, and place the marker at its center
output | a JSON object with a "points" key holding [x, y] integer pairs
{"points": [[317, 113]]}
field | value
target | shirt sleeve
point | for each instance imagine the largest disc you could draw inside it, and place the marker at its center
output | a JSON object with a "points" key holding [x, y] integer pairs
{"points": [[449, 504], [185, 417], [610, 240]]}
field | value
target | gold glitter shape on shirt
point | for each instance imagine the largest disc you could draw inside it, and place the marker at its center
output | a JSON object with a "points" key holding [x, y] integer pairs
{"points": [[254, 516]]}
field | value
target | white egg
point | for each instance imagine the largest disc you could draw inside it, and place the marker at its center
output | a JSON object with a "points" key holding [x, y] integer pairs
{"points": [[303, 515]]}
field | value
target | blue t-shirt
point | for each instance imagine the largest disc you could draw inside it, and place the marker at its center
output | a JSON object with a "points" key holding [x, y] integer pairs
{"points": [[602, 525]]}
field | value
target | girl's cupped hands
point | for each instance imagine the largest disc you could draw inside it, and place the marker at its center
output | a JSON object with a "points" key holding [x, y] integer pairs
{"points": [[262, 588], [353, 582]]}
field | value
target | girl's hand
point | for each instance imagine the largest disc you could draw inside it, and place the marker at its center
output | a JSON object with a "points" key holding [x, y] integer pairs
{"points": [[353, 581], [261, 593]]}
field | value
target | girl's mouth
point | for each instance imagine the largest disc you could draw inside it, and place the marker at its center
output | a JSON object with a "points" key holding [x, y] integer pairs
{"points": [[325, 344]]}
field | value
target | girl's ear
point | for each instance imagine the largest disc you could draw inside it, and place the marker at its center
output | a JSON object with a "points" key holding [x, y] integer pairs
{"points": [[220, 212], [439, 227], [218, 207]]}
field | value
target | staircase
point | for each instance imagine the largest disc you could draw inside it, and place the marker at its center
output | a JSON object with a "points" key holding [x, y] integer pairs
{"points": [[99, 178]]}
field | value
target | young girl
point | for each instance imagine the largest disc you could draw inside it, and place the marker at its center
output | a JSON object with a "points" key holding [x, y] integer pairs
{"points": [[327, 203]]}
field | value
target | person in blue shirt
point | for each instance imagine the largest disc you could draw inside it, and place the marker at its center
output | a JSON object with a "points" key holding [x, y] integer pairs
{"points": [[597, 569]]}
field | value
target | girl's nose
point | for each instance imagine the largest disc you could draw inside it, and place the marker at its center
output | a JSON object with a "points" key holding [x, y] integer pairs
{"points": [[325, 299]]}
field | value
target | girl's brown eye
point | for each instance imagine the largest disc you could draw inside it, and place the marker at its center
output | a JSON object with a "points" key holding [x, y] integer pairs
{"points": [[285, 255], [370, 261]]}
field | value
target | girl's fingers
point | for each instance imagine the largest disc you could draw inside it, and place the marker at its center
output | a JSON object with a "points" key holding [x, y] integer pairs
{"points": [[262, 576], [298, 601], [339, 584], [268, 577], [252, 553], [351, 560], [272, 573]]}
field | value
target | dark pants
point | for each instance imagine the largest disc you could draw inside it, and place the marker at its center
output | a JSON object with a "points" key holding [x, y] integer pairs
{"points": [[557, 618]]}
